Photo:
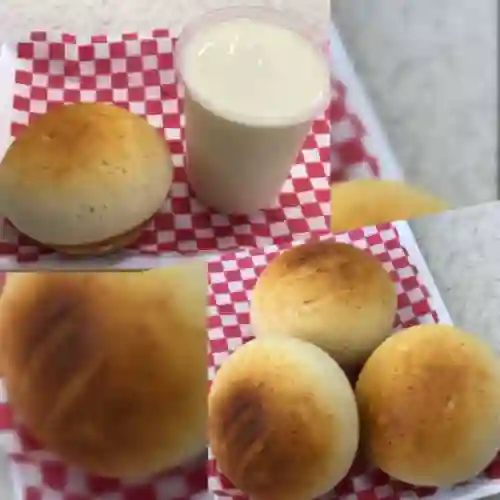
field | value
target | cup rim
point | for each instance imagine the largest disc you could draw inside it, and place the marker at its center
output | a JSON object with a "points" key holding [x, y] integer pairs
{"points": [[283, 18]]}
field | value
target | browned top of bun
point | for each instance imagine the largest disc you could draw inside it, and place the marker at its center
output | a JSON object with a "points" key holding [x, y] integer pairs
{"points": [[109, 369], [261, 441], [429, 400], [325, 268], [60, 146], [282, 420], [82, 173], [334, 295]]}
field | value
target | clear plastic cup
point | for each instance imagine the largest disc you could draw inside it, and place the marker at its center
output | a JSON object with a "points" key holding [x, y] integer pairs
{"points": [[254, 81]]}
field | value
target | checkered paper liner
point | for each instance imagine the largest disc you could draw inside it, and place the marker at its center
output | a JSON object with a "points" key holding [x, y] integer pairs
{"points": [[39, 475], [137, 73], [351, 157], [232, 278]]}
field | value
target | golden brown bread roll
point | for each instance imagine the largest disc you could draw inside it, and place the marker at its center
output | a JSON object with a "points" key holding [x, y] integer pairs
{"points": [[331, 294], [109, 370], [429, 402], [101, 248], [367, 202], [283, 422], [84, 175]]}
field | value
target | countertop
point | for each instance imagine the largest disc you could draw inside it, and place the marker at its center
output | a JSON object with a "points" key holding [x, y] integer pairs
{"points": [[430, 69], [461, 248]]}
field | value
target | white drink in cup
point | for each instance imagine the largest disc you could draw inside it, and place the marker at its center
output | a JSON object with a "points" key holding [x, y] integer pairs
{"points": [[254, 82]]}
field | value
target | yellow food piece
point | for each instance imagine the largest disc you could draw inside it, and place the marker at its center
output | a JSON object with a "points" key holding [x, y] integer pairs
{"points": [[367, 202]]}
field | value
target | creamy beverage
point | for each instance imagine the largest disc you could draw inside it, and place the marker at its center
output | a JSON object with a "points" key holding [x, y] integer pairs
{"points": [[253, 86]]}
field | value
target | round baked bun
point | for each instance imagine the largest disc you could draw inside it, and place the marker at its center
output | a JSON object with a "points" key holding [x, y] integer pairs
{"points": [[108, 370], [334, 295], [429, 402], [368, 202], [283, 422], [84, 175]]}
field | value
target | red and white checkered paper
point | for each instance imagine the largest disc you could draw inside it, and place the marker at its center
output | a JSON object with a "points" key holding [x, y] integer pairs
{"points": [[137, 73], [350, 155], [39, 475], [232, 278]]}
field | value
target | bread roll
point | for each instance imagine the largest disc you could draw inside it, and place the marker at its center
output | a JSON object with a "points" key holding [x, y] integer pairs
{"points": [[367, 202], [429, 402], [283, 422], [109, 370], [82, 176], [331, 294], [103, 247]]}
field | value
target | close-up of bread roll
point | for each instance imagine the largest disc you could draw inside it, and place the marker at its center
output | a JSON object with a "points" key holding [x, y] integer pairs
{"points": [[429, 403], [367, 202], [283, 422], [85, 178], [334, 295], [109, 370]]}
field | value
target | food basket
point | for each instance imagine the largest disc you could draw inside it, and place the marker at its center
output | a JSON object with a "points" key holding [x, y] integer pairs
{"points": [[232, 278]]}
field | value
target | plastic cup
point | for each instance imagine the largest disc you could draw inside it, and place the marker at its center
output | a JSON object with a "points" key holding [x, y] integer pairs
{"points": [[240, 150]]}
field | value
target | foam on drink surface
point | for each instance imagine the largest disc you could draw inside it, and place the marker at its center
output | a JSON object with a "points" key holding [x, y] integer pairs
{"points": [[255, 72]]}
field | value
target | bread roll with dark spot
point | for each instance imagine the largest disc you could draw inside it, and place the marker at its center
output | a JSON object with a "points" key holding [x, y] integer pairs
{"points": [[334, 295], [109, 370], [85, 178], [367, 202], [283, 421], [429, 402]]}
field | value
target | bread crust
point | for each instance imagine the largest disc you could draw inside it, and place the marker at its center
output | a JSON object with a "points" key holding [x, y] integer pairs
{"points": [[429, 402], [277, 429], [334, 295], [102, 247], [84, 173], [108, 370]]}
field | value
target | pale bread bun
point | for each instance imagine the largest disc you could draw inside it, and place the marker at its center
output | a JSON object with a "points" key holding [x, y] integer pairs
{"points": [[334, 295], [102, 248], [283, 422], [429, 402], [84, 173], [367, 202], [109, 370]]}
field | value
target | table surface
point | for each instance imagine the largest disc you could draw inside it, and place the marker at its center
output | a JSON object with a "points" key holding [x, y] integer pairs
{"points": [[432, 53], [461, 248]]}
